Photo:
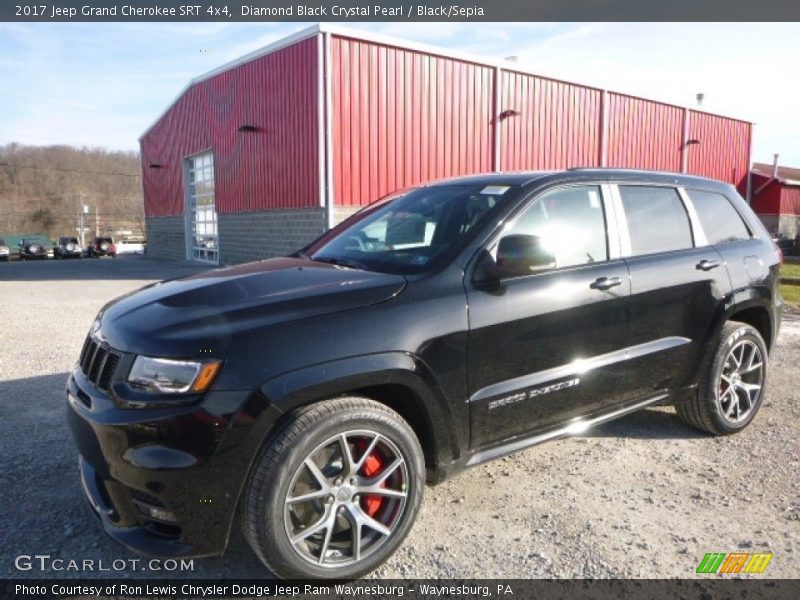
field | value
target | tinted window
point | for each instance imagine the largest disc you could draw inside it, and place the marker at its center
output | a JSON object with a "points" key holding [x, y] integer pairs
{"points": [[719, 219], [657, 220], [569, 223]]}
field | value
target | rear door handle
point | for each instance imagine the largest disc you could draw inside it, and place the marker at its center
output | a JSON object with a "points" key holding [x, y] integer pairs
{"points": [[707, 265], [605, 283]]}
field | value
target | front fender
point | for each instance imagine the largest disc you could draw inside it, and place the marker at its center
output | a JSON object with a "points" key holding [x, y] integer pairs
{"points": [[350, 375]]}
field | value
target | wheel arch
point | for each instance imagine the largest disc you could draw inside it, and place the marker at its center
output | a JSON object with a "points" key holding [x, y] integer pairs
{"points": [[758, 317], [398, 380]]}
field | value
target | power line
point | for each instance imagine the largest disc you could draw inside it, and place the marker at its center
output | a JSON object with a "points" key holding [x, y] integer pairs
{"points": [[5, 164]]}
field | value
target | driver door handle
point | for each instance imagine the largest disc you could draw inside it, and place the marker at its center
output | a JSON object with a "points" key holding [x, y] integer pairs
{"points": [[707, 265], [605, 283]]}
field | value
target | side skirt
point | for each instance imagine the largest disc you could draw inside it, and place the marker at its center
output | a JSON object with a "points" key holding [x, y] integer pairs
{"points": [[574, 427]]}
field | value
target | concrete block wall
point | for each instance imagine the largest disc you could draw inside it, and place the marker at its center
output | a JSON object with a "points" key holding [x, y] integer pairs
{"points": [[247, 236], [788, 225], [166, 237]]}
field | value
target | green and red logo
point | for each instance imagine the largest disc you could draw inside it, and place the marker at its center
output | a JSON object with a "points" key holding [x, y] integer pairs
{"points": [[735, 562]]}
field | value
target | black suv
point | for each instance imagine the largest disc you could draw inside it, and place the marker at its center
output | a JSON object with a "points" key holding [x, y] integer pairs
{"points": [[32, 249], [313, 396]]}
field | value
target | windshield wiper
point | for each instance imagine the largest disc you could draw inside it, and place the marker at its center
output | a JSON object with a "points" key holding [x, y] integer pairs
{"points": [[341, 262]]}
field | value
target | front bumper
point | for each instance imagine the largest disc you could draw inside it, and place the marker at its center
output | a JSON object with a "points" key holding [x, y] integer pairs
{"points": [[188, 463]]}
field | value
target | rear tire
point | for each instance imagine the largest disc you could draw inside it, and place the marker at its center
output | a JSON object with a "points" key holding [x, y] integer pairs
{"points": [[732, 382], [361, 503]]}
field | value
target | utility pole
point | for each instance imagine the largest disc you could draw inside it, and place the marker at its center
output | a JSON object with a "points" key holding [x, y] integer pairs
{"points": [[82, 209], [96, 222]]}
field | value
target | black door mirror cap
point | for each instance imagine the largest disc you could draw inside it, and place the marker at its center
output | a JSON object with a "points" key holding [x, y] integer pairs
{"points": [[521, 254]]}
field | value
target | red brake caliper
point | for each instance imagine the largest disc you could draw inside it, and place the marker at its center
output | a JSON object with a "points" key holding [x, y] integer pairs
{"points": [[371, 503]]}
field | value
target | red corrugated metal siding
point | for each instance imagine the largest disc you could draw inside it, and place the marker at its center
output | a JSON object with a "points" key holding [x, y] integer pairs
{"points": [[724, 149], [768, 200], [790, 200], [558, 125], [643, 134], [274, 167], [401, 117]]}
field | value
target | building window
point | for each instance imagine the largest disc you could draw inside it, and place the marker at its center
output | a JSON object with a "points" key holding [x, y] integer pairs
{"points": [[201, 215]]}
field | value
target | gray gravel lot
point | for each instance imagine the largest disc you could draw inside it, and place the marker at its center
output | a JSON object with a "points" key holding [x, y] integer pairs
{"points": [[644, 496]]}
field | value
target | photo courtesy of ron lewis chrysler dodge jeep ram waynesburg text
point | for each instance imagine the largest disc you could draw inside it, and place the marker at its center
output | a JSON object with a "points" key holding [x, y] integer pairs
{"points": [[308, 399]]}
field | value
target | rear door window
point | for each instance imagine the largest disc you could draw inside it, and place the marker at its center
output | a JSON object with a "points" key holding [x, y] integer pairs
{"points": [[657, 219], [721, 223]]}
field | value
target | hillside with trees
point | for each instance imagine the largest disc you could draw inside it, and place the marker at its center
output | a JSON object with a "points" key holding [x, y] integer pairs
{"points": [[43, 187]]}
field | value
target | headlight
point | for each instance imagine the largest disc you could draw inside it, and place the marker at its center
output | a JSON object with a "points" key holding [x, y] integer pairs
{"points": [[169, 376]]}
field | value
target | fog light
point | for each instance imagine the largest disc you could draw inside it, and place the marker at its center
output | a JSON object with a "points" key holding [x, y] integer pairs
{"points": [[158, 514]]}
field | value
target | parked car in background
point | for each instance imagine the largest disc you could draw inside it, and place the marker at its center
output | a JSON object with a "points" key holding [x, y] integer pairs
{"points": [[443, 327], [130, 245], [67, 247], [102, 246], [4, 251], [32, 248]]}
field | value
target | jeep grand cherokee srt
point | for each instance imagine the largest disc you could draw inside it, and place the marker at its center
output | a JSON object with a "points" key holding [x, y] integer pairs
{"points": [[311, 397]]}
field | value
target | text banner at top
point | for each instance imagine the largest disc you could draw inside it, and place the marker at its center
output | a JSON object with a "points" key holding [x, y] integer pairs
{"points": [[399, 10]]}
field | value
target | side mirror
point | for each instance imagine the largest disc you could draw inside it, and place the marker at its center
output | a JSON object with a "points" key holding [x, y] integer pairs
{"points": [[519, 255]]}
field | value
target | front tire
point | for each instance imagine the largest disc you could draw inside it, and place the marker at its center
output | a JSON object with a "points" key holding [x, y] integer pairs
{"points": [[335, 490], [732, 384]]}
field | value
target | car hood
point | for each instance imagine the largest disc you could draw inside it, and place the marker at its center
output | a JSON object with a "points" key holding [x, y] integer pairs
{"points": [[184, 316]]}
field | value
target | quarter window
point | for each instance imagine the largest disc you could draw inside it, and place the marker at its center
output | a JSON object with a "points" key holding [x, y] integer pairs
{"points": [[721, 223], [570, 225], [657, 219]]}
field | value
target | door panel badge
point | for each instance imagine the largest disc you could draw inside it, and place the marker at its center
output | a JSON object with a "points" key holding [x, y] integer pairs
{"points": [[533, 393]]}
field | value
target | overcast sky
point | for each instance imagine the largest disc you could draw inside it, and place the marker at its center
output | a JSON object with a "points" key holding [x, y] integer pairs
{"points": [[104, 84]]}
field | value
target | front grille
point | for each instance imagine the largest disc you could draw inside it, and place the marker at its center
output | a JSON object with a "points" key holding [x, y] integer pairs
{"points": [[98, 362]]}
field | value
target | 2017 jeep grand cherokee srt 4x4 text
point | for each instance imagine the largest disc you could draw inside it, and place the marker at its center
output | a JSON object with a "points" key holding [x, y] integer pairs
{"points": [[311, 397]]}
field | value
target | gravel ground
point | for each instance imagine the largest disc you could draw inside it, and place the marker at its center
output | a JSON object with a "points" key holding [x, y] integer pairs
{"points": [[644, 496]]}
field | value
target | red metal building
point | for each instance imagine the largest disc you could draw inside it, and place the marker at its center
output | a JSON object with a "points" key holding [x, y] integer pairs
{"points": [[776, 198], [256, 158]]}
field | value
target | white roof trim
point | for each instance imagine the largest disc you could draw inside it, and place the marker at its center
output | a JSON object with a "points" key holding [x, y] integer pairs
{"points": [[386, 40]]}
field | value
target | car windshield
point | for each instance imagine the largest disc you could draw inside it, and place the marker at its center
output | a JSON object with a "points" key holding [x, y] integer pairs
{"points": [[66, 240], [412, 230], [103, 241], [2, 242]]}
